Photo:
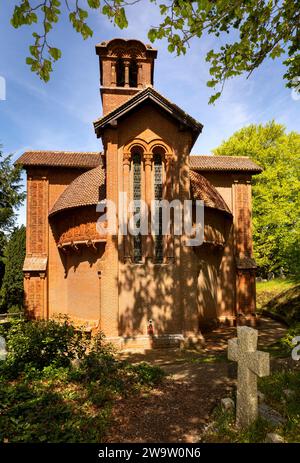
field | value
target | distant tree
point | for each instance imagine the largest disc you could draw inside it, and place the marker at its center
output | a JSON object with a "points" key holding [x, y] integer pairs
{"points": [[3, 241], [10, 195], [276, 192], [258, 29], [10, 198], [14, 255]]}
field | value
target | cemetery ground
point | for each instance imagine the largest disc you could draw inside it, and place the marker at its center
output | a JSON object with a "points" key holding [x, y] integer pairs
{"points": [[186, 407], [155, 396]]}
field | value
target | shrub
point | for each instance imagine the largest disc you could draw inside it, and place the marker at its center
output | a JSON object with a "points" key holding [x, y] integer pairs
{"points": [[46, 397], [39, 344], [286, 340]]}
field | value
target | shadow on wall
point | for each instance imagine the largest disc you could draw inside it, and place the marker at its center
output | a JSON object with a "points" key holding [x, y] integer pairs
{"points": [[183, 295]]}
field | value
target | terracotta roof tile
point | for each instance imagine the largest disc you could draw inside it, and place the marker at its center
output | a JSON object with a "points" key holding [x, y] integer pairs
{"points": [[89, 188], [224, 163], [71, 159], [86, 190], [203, 190]]}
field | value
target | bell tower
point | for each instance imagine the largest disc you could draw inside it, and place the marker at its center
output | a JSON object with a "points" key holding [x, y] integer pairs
{"points": [[126, 67]]}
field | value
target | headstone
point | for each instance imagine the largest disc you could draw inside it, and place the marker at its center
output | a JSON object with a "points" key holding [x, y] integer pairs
{"points": [[281, 273], [3, 351], [227, 404], [251, 364], [270, 415], [273, 438]]}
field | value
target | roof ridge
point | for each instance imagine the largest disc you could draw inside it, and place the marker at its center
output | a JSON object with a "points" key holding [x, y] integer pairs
{"points": [[219, 156], [63, 151], [183, 116]]}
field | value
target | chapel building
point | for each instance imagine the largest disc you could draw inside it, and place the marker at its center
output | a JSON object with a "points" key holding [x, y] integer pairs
{"points": [[140, 290]]}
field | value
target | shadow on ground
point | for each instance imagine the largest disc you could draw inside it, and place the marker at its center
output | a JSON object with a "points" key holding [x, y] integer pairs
{"points": [[178, 410]]}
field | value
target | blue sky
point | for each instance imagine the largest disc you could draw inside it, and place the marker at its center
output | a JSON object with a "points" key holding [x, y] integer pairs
{"points": [[59, 115]]}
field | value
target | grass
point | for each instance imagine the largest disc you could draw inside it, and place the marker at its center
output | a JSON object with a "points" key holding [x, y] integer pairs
{"points": [[280, 299], [224, 429], [67, 404], [267, 290], [277, 285], [204, 358], [57, 385]]}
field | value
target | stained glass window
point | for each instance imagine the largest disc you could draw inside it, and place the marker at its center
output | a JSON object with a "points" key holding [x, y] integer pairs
{"points": [[137, 239], [158, 185]]}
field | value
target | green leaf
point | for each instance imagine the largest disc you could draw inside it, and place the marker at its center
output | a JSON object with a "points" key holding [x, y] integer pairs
{"points": [[152, 35], [214, 97], [94, 3], [55, 53]]}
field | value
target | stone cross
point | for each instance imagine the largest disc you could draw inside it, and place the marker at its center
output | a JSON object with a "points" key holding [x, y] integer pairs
{"points": [[3, 351], [251, 363]]}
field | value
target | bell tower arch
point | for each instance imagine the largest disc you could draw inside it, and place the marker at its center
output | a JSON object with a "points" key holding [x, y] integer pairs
{"points": [[126, 67]]}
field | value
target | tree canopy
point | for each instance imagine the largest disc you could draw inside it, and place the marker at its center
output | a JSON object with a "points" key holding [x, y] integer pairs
{"points": [[251, 31], [10, 198], [11, 195], [276, 193]]}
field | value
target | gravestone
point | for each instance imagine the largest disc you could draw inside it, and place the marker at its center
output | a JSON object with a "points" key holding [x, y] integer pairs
{"points": [[3, 351], [251, 364]]}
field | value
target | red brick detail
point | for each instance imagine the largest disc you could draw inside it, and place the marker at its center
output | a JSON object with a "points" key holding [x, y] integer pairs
{"points": [[76, 225], [245, 286], [35, 294], [36, 241]]}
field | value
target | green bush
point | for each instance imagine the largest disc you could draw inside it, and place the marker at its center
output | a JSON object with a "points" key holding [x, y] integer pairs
{"points": [[38, 344], [286, 340], [45, 396]]}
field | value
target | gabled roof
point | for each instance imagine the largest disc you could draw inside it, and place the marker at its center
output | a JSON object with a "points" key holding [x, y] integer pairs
{"points": [[224, 163], [83, 160], [149, 94]]}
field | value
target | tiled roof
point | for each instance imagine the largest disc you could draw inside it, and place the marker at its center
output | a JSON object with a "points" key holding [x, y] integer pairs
{"points": [[89, 188], [203, 190], [86, 190], [224, 163], [72, 159]]}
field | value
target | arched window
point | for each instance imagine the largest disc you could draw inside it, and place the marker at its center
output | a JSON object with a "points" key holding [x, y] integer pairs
{"points": [[120, 71], [137, 196], [158, 190], [133, 74]]}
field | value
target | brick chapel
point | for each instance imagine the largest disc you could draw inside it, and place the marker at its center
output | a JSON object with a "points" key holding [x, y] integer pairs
{"points": [[138, 290]]}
